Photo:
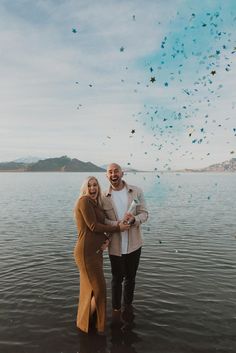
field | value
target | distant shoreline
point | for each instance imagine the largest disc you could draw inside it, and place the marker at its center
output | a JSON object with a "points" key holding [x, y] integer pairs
{"points": [[65, 164], [128, 171]]}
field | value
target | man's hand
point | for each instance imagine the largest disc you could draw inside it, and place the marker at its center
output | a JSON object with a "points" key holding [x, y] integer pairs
{"points": [[129, 218]]}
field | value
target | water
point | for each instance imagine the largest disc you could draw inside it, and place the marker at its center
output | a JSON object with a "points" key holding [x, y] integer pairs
{"points": [[185, 299]]}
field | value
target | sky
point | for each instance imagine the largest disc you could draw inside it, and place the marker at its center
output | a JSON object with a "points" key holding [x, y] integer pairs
{"points": [[147, 84]]}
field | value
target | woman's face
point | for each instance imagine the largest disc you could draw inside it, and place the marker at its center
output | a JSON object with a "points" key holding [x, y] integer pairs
{"points": [[93, 189]]}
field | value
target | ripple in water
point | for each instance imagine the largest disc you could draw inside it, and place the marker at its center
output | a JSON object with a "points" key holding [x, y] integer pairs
{"points": [[186, 283]]}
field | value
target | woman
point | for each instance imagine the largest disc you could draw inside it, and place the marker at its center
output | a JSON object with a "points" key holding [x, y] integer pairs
{"points": [[88, 254]]}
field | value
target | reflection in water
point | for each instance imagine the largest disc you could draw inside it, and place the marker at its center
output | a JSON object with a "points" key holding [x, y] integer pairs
{"points": [[123, 340], [120, 339], [92, 343]]}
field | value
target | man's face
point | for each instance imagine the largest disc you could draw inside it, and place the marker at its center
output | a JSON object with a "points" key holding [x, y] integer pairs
{"points": [[114, 175]]}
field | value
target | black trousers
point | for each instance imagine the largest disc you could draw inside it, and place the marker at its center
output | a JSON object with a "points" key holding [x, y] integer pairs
{"points": [[124, 268]]}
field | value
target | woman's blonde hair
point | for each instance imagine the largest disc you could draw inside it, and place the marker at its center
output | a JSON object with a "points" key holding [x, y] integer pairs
{"points": [[84, 191]]}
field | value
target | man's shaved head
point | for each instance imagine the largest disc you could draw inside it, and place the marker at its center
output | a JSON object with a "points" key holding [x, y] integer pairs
{"points": [[114, 175], [114, 166]]}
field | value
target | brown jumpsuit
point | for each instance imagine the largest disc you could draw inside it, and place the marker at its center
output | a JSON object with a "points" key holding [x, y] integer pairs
{"points": [[90, 221]]}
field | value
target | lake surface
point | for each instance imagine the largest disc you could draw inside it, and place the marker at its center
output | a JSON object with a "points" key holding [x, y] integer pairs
{"points": [[185, 299]]}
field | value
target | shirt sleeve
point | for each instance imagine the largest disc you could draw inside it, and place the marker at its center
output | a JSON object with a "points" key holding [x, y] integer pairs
{"points": [[142, 212], [87, 210]]}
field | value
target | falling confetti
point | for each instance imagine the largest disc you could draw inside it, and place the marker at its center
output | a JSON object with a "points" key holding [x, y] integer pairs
{"points": [[191, 64]]}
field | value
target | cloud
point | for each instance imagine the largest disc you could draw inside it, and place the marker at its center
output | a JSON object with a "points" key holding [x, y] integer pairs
{"points": [[65, 92]]}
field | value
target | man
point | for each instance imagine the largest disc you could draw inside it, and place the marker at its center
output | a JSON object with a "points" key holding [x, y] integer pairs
{"points": [[124, 247]]}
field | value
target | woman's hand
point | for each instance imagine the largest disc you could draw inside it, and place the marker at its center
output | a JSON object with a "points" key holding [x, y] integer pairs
{"points": [[105, 245]]}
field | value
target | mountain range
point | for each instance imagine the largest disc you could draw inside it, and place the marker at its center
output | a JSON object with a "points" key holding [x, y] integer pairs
{"points": [[61, 164], [66, 164], [226, 166]]}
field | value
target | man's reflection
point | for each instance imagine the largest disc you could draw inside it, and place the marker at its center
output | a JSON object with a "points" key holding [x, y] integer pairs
{"points": [[123, 339]]}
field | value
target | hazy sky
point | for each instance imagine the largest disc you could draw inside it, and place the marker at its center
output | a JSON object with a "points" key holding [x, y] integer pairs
{"points": [[76, 80]]}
